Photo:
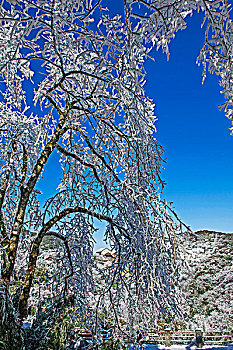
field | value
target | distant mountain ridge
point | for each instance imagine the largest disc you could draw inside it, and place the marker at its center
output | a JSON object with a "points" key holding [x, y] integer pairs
{"points": [[207, 279]]}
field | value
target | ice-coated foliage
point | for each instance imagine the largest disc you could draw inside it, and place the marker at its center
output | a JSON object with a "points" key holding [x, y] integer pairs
{"points": [[208, 280], [71, 79], [156, 23]]}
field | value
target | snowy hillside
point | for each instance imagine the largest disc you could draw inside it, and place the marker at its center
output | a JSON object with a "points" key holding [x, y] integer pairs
{"points": [[208, 279]]}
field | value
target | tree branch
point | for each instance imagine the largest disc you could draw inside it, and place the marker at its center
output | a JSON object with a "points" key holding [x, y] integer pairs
{"points": [[80, 160], [36, 245], [2, 196], [97, 154], [25, 166], [64, 239]]}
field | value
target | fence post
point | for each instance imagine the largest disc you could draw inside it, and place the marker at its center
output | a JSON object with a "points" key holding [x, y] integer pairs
{"points": [[168, 337], [199, 338]]}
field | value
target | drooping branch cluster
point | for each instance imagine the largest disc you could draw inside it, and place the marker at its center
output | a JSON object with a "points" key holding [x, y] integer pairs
{"points": [[84, 71], [155, 23]]}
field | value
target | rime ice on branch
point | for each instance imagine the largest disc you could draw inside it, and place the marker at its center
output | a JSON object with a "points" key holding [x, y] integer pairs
{"points": [[85, 70]]}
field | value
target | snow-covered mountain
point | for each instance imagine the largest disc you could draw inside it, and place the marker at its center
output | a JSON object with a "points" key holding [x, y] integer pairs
{"points": [[207, 280]]}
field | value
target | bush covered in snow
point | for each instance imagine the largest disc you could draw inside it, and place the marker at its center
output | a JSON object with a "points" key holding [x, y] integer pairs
{"points": [[207, 280]]}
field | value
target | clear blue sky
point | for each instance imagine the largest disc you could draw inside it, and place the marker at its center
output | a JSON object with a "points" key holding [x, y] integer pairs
{"points": [[195, 135], [198, 145]]}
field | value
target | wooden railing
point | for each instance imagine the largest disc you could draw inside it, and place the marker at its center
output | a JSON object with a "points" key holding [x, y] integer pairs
{"points": [[79, 333], [168, 337]]}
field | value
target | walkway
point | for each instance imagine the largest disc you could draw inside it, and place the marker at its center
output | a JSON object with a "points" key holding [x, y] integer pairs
{"points": [[176, 347]]}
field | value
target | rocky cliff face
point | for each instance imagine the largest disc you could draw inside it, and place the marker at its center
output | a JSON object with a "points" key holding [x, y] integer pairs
{"points": [[207, 279]]}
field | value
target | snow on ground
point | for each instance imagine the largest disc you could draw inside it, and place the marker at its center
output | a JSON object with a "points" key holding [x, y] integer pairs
{"points": [[178, 347]]}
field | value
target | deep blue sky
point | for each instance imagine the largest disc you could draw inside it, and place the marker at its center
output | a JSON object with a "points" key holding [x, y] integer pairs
{"points": [[195, 135], [198, 145]]}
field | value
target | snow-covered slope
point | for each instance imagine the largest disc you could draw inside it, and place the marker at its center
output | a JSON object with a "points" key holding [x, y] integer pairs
{"points": [[207, 281]]}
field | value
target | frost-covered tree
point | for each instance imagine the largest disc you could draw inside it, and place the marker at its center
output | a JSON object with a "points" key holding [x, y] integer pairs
{"points": [[208, 280], [85, 70]]}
